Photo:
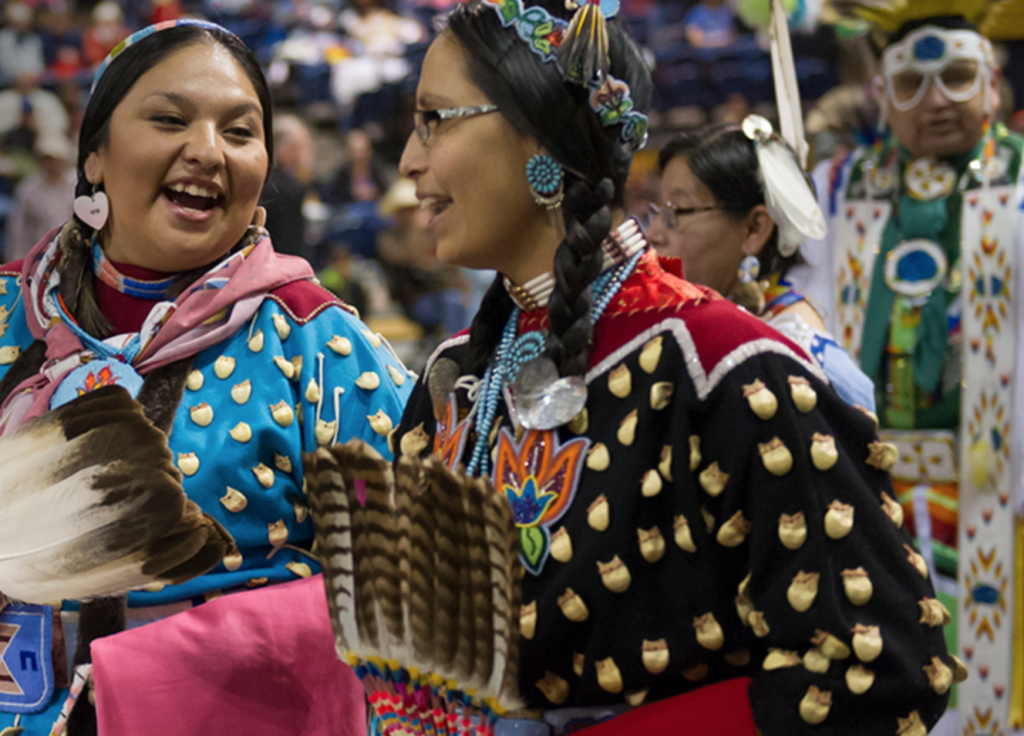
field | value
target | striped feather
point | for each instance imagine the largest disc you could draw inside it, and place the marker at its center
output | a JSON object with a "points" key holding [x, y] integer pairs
{"points": [[497, 519], [93, 506], [422, 568], [333, 524], [447, 568], [514, 570], [371, 633], [403, 547], [374, 472], [473, 496]]}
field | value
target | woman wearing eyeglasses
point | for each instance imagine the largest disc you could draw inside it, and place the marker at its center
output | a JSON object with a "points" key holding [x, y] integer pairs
{"points": [[714, 216]]}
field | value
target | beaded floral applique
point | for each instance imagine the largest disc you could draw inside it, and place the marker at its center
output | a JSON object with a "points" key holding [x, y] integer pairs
{"points": [[539, 477], [451, 435]]}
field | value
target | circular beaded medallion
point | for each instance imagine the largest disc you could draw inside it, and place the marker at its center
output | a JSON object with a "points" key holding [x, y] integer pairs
{"points": [[915, 267], [95, 375], [928, 179]]}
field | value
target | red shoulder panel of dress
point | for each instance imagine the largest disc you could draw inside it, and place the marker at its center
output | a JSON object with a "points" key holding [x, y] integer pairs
{"points": [[12, 269], [654, 295], [304, 300]]}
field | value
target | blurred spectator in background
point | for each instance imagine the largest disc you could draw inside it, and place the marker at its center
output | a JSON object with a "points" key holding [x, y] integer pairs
{"points": [[430, 293], [62, 41], [380, 31], [43, 200], [26, 106], [288, 186], [361, 178], [106, 31], [72, 96], [164, 10], [339, 278], [710, 25], [379, 40], [21, 49]]}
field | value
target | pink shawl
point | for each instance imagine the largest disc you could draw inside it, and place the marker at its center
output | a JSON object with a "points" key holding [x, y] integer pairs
{"points": [[210, 311]]}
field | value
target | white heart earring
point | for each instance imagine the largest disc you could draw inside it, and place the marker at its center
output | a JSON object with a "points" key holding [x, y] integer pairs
{"points": [[93, 209]]}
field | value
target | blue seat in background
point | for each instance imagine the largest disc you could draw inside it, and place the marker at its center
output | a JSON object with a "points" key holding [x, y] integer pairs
{"points": [[815, 77], [678, 83], [758, 84]]}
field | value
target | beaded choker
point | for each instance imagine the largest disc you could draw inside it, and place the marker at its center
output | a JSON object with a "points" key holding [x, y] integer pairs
{"points": [[620, 246], [153, 290]]}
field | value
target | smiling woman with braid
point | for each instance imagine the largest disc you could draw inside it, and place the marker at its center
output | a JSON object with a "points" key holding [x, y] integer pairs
{"points": [[162, 370], [708, 533]]}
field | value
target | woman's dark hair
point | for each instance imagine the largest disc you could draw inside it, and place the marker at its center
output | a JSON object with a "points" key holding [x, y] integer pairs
{"points": [[539, 104], [724, 159], [115, 83]]}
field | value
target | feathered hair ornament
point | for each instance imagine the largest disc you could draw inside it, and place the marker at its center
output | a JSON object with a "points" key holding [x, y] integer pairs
{"points": [[580, 50], [781, 159], [421, 566], [789, 199], [583, 54]]}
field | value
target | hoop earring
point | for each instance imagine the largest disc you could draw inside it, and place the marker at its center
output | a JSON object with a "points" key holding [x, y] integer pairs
{"points": [[546, 181], [93, 209]]}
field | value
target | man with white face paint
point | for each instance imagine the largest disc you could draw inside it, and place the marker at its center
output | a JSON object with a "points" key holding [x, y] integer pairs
{"points": [[923, 262]]}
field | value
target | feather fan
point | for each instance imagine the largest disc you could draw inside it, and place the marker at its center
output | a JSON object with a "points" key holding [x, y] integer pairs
{"points": [[421, 566], [93, 506]]}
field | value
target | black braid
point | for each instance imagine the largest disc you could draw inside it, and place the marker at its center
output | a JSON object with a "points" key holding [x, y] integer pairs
{"points": [[490, 319], [578, 262]]}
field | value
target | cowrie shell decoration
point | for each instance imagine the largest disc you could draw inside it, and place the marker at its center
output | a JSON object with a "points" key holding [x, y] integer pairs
{"points": [[573, 606], [762, 401], [815, 705], [655, 656], [615, 575]]}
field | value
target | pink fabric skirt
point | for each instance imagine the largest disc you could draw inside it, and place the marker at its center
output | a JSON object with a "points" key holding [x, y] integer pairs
{"points": [[258, 663]]}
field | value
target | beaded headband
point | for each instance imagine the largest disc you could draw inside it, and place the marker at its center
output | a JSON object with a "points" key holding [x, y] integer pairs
{"points": [[579, 48], [149, 31]]}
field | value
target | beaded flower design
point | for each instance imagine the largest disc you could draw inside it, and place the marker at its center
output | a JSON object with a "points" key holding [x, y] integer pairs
{"points": [[544, 174], [451, 435], [538, 476]]}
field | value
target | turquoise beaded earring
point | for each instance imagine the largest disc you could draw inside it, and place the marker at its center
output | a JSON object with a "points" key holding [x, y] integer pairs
{"points": [[546, 181]]}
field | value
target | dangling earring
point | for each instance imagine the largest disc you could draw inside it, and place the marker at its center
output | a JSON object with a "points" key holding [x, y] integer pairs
{"points": [[93, 209], [546, 184], [257, 228], [749, 293]]}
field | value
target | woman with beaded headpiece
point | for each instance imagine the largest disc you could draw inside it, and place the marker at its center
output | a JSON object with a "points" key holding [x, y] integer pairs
{"points": [[706, 532], [163, 371], [922, 278]]}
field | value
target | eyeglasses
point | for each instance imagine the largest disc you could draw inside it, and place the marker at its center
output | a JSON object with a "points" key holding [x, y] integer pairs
{"points": [[426, 121], [670, 214]]}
